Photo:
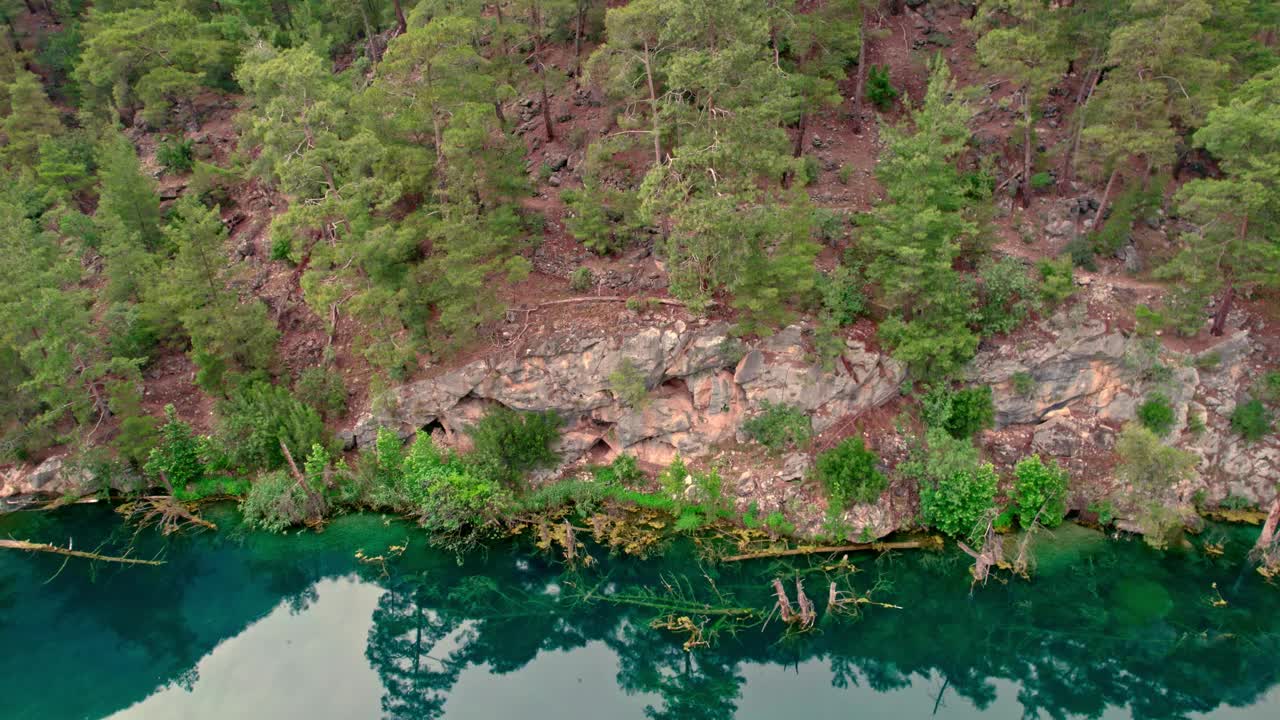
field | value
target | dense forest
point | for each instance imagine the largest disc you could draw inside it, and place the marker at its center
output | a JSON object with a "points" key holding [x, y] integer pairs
{"points": [[176, 171]]}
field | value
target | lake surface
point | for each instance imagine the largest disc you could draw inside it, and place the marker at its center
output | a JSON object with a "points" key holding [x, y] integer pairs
{"points": [[247, 625]]}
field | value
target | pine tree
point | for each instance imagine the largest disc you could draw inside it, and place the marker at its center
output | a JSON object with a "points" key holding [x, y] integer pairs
{"points": [[226, 334], [1021, 46], [30, 120], [1236, 242], [127, 196], [917, 234]]}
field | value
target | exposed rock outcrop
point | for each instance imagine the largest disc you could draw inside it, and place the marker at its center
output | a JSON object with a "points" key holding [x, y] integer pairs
{"points": [[1081, 383], [702, 384]]}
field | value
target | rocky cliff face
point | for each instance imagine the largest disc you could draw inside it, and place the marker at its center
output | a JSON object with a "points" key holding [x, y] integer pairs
{"points": [[702, 383], [1080, 383], [1064, 394]]}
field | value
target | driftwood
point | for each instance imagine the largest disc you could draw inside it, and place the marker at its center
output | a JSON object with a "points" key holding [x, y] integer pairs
{"points": [[165, 512], [315, 502], [1267, 550], [992, 555], [47, 548], [928, 543]]}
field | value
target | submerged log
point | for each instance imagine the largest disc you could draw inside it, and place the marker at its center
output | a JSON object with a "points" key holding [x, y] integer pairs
{"points": [[926, 544], [47, 548]]}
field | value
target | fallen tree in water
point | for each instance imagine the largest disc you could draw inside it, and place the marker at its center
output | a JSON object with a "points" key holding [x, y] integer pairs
{"points": [[54, 549], [929, 543]]}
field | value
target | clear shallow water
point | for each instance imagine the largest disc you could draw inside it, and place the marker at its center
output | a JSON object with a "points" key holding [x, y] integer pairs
{"points": [[246, 625]]}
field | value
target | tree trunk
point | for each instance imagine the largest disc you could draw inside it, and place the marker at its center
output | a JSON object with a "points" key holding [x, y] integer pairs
{"points": [[536, 17], [860, 77], [1026, 147], [502, 118], [577, 39], [402, 25], [1106, 196], [1224, 309], [653, 106], [798, 150], [370, 39], [1268, 536], [1077, 120]]}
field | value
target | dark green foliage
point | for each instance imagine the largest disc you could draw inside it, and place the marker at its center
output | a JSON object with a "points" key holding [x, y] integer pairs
{"points": [[842, 297], [176, 155], [1156, 414], [323, 389], [1269, 387], [581, 280], [274, 502], [508, 444], [1042, 180], [1009, 295], [628, 384], [962, 413], [1039, 492], [602, 219], [214, 487], [779, 426], [1251, 420], [880, 91], [176, 458], [1082, 254], [957, 490], [810, 169], [1024, 385], [258, 417], [458, 505], [849, 474]]}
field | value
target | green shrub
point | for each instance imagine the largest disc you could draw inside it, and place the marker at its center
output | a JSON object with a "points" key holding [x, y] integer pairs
{"points": [[1039, 489], [1041, 180], [880, 91], [1057, 281], [1082, 255], [1251, 420], [176, 155], [849, 475], [1156, 414], [778, 525], [282, 248], [324, 390], [459, 507], [957, 491], [1009, 295], [1235, 502], [177, 455], [1024, 385], [213, 487], [1147, 466], [842, 297], [672, 479], [604, 220], [259, 416], [810, 169], [274, 502], [508, 444], [779, 426], [828, 225], [581, 280], [844, 174], [629, 384], [962, 413], [1269, 387], [1148, 322]]}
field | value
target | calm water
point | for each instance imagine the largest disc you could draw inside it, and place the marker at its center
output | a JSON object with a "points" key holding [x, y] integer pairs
{"points": [[245, 625]]}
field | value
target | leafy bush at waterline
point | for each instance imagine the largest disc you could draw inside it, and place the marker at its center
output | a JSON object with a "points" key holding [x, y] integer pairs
{"points": [[509, 444], [849, 475], [1039, 492]]}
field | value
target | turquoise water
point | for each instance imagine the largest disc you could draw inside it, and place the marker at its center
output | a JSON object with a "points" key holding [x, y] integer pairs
{"points": [[246, 625]]}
